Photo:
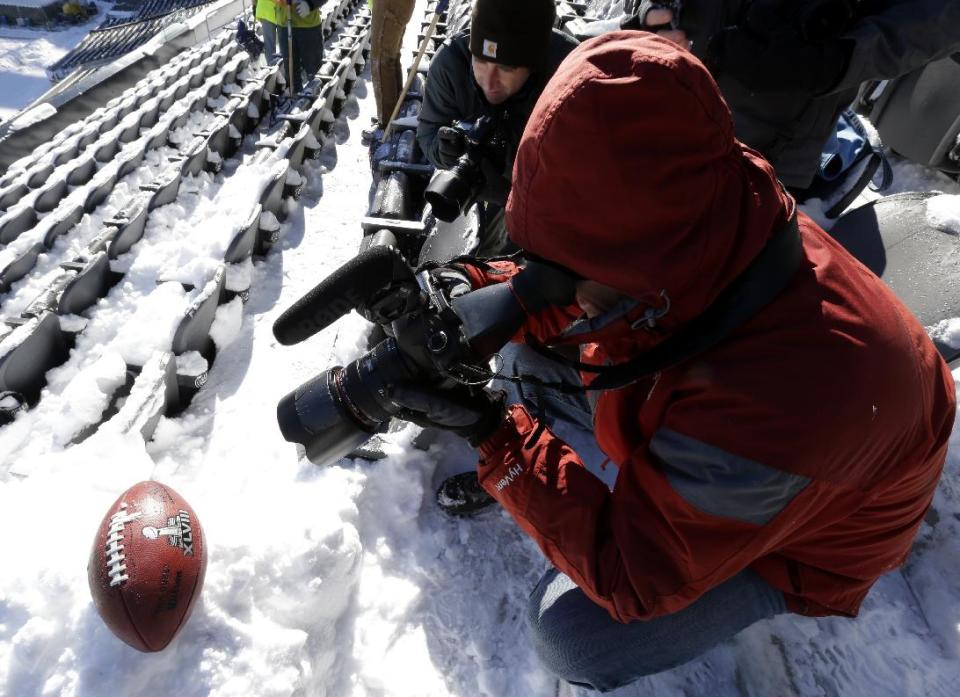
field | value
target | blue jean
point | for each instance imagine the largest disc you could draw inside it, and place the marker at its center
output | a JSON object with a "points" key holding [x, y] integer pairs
{"points": [[578, 641], [269, 39]]}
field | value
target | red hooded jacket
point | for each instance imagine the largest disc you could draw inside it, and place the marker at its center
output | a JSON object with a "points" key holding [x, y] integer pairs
{"points": [[805, 446]]}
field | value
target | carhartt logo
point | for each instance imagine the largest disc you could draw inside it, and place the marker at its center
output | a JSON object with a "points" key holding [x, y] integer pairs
{"points": [[489, 48], [507, 480]]}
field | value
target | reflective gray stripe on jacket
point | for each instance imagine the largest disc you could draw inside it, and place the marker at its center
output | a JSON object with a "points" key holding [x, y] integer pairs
{"points": [[721, 483]]}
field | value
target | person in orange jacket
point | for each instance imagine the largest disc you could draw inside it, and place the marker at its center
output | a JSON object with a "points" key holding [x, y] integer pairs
{"points": [[777, 417]]}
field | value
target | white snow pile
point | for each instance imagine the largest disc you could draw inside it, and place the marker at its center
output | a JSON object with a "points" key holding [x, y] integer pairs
{"points": [[947, 331], [33, 115], [943, 212], [25, 54], [345, 580]]}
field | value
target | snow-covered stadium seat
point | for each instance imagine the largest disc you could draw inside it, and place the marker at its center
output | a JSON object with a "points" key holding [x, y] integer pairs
{"points": [[16, 222]]}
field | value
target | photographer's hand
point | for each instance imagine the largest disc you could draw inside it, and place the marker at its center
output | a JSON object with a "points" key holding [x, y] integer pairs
{"points": [[474, 416], [450, 145]]}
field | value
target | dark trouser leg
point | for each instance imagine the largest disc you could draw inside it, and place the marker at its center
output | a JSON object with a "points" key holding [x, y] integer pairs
{"points": [[388, 23], [579, 642], [269, 39], [283, 45], [494, 239], [307, 52]]}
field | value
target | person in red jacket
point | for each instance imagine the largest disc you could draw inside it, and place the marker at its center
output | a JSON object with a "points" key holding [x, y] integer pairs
{"points": [[783, 453]]}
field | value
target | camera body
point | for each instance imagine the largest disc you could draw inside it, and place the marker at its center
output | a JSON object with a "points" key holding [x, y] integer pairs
{"points": [[440, 332], [452, 191]]}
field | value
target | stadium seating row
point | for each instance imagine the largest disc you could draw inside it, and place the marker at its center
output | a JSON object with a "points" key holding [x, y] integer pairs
{"points": [[37, 340]]}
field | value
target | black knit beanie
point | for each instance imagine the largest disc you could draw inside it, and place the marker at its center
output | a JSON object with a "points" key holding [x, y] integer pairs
{"points": [[512, 32]]}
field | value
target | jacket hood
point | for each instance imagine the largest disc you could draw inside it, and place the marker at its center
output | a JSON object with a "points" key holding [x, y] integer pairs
{"points": [[628, 173]]}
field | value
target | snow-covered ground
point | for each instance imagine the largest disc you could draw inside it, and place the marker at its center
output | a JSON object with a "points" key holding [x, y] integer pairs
{"points": [[346, 580], [25, 54]]}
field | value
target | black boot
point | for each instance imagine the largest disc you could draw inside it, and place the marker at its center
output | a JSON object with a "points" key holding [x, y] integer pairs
{"points": [[462, 495]]}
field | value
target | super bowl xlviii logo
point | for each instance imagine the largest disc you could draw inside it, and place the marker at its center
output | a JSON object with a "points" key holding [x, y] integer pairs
{"points": [[178, 531]]}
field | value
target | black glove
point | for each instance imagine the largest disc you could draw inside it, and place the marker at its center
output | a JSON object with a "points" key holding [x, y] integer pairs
{"points": [[452, 280], [471, 415], [451, 144]]}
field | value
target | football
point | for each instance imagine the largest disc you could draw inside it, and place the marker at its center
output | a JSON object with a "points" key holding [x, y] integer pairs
{"points": [[147, 565]]}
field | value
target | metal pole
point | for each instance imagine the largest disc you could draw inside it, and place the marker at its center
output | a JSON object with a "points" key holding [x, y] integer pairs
{"points": [[439, 10]]}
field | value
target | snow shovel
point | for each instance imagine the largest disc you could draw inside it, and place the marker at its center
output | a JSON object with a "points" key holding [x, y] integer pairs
{"points": [[440, 9]]}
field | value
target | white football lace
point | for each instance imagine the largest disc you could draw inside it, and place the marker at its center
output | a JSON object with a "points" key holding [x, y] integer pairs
{"points": [[116, 568]]}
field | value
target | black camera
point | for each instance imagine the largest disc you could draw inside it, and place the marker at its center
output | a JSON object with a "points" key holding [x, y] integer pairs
{"points": [[452, 191], [439, 331]]}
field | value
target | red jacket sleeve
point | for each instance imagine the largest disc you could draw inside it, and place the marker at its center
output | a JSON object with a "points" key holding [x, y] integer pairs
{"points": [[544, 325], [639, 551]]}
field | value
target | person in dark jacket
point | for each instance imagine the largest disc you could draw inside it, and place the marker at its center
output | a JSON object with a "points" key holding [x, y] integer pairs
{"points": [[788, 68], [783, 465], [497, 69]]}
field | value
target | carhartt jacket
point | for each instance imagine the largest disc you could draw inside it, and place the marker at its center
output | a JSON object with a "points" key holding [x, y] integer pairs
{"points": [[452, 94]]}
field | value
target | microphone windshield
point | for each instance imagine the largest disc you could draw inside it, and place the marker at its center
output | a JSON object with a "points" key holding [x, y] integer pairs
{"points": [[351, 286]]}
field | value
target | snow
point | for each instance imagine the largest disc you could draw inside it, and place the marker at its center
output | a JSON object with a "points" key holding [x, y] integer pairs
{"points": [[25, 53], [31, 116], [344, 580], [943, 212]]}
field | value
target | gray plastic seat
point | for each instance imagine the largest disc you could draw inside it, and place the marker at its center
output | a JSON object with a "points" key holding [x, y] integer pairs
{"points": [[106, 151], [16, 222], [98, 194], [164, 191], [130, 224], [11, 195], [40, 175], [81, 173], [194, 157], [131, 159], [60, 223], [193, 332], [51, 195], [19, 267], [67, 153], [218, 139], [23, 369], [90, 283], [243, 242]]}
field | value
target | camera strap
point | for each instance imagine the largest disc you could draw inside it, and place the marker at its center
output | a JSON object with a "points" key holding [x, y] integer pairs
{"points": [[770, 272]]}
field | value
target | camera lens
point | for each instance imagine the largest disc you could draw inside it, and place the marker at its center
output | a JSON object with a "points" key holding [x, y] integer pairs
{"points": [[452, 191], [314, 416]]}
